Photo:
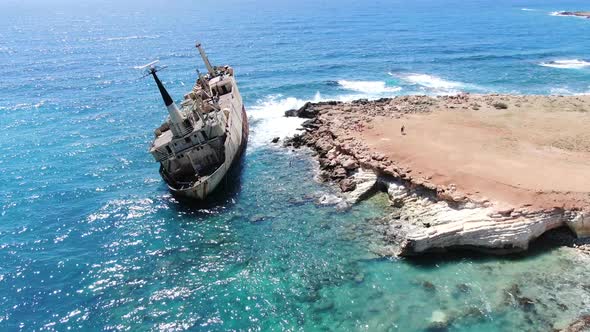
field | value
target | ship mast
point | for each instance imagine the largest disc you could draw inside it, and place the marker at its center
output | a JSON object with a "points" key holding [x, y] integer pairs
{"points": [[176, 119], [205, 59]]}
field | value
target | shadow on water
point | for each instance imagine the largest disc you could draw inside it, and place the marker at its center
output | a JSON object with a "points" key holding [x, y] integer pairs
{"points": [[547, 242]]}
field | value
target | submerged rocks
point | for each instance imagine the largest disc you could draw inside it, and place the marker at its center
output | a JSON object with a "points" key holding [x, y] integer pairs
{"points": [[580, 325], [439, 321], [323, 305], [427, 285], [329, 199]]}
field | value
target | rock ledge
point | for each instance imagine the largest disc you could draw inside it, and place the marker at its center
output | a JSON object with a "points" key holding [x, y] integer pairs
{"points": [[432, 217]]}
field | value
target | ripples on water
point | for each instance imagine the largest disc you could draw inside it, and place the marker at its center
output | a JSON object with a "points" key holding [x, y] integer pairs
{"points": [[91, 239], [266, 256]]}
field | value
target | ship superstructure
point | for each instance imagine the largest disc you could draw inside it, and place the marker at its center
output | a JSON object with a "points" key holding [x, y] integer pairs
{"points": [[201, 139]]}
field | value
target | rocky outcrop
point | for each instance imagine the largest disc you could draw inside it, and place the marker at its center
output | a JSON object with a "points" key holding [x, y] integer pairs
{"points": [[579, 14], [430, 224], [580, 224], [365, 182], [580, 325], [309, 110], [431, 217]]}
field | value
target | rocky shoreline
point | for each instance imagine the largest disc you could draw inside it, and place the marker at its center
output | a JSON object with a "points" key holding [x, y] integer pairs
{"points": [[433, 216], [585, 14]]}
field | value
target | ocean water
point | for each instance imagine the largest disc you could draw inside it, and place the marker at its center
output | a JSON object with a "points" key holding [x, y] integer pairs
{"points": [[90, 239]]}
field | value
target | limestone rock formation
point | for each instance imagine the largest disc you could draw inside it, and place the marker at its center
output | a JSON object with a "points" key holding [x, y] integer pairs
{"points": [[365, 184], [432, 224], [432, 217]]}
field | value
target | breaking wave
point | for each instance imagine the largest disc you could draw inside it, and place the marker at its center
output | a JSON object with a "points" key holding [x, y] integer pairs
{"points": [[133, 37], [566, 64], [431, 84], [528, 9], [434, 82], [22, 106], [368, 87], [267, 118], [567, 92]]}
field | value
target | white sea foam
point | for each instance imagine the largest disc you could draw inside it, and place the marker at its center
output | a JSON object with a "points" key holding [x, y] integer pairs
{"points": [[436, 85], [267, 119], [434, 82], [22, 106], [566, 64], [6, 50], [528, 9], [561, 91], [133, 37], [567, 92], [368, 87]]}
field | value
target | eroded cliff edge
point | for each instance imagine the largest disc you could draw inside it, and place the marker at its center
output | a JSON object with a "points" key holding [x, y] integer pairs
{"points": [[490, 172]]}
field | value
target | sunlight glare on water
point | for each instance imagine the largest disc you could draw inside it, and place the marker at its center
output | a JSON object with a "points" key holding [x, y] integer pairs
{"points": [[91, 239]]}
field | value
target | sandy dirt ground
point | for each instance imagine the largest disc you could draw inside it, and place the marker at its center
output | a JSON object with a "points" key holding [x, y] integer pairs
{"points": [[535, 152]]}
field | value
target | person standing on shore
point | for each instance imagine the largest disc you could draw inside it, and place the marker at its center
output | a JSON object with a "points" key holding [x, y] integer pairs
{"points": [[402, 130]]}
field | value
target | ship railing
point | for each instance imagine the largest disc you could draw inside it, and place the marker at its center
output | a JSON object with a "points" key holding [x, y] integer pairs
{"points": [[187, 128], [160, 155], [163, 156]]}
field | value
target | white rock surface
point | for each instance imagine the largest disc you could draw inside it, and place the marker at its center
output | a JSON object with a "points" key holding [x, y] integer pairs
{"points": [[329, 199], [365, 184], [430, 224], [580, 224], [439, 317]]}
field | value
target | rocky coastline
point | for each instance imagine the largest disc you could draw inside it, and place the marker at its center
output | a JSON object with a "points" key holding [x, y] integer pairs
{"points": [[585, 14], [433, 216]]}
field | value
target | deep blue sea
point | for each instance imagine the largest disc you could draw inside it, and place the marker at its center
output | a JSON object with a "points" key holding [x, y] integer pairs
{"points": [[90, 238]]}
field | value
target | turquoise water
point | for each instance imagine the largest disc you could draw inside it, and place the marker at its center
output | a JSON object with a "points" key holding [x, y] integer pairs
{"points": [[91, 239]]}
